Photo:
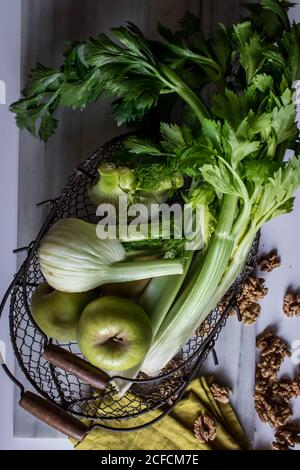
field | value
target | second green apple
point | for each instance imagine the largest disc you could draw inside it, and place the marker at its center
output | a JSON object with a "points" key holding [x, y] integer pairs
{"points": [[57, 313]]}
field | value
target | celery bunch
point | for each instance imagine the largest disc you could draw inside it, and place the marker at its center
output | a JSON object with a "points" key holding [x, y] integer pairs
{"points": [[230, 152]]}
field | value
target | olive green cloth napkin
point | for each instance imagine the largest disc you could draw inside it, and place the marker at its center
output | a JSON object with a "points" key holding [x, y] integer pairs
{"points": [[176, 430]]}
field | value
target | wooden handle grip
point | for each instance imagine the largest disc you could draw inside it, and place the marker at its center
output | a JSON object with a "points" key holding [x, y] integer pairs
{"points": [[73, 364], [54, 416]]}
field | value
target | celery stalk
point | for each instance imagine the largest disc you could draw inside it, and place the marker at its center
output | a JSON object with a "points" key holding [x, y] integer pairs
{"points": [[161, 292], [183, 317]]}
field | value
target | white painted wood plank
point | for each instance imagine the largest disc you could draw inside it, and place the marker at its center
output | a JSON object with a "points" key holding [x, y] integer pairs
{"points": [[236, 355], [10, 23]]}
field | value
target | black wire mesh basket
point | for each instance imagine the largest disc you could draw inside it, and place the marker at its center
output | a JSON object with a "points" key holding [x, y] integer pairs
{"points": [[63, 390]]}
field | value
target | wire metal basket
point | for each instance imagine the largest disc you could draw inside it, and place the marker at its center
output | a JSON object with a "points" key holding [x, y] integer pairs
{"points": [[103, 407]]}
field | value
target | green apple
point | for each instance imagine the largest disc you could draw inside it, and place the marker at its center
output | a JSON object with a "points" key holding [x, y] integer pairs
{"points": [[130, 290], [114, 333], [57, 313]]}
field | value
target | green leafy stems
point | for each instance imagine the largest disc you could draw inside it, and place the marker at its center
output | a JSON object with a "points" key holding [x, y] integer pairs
{"points": [[130, 72], [230, 151]]}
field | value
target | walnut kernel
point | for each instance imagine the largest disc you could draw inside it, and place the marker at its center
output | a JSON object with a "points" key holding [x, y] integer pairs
{"points": [[205, 429], [269, 261]]}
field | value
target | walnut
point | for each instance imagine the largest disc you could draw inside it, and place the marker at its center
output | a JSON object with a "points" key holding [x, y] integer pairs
{"points": [[282, 390], [274, 412], [232, 312], [268, 369], [291, 304], [171, 382], [288, 388], [220, 393], [167, 391], [272, 345], [251, 313], [224, 302], [172, 365], [272, 397], [205, 429], [274, 350], [204, 329], [286, 437], [252, 291], [269, 261], [265, 338], [295, 388], [276, 445]]}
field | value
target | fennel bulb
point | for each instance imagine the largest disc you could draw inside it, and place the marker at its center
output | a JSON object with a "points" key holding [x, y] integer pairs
{"points": [[73, 259], [112, 183]]}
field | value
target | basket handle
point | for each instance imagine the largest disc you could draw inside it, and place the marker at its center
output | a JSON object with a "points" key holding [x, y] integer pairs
{"points": [[54, 416], [73, 364]]}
